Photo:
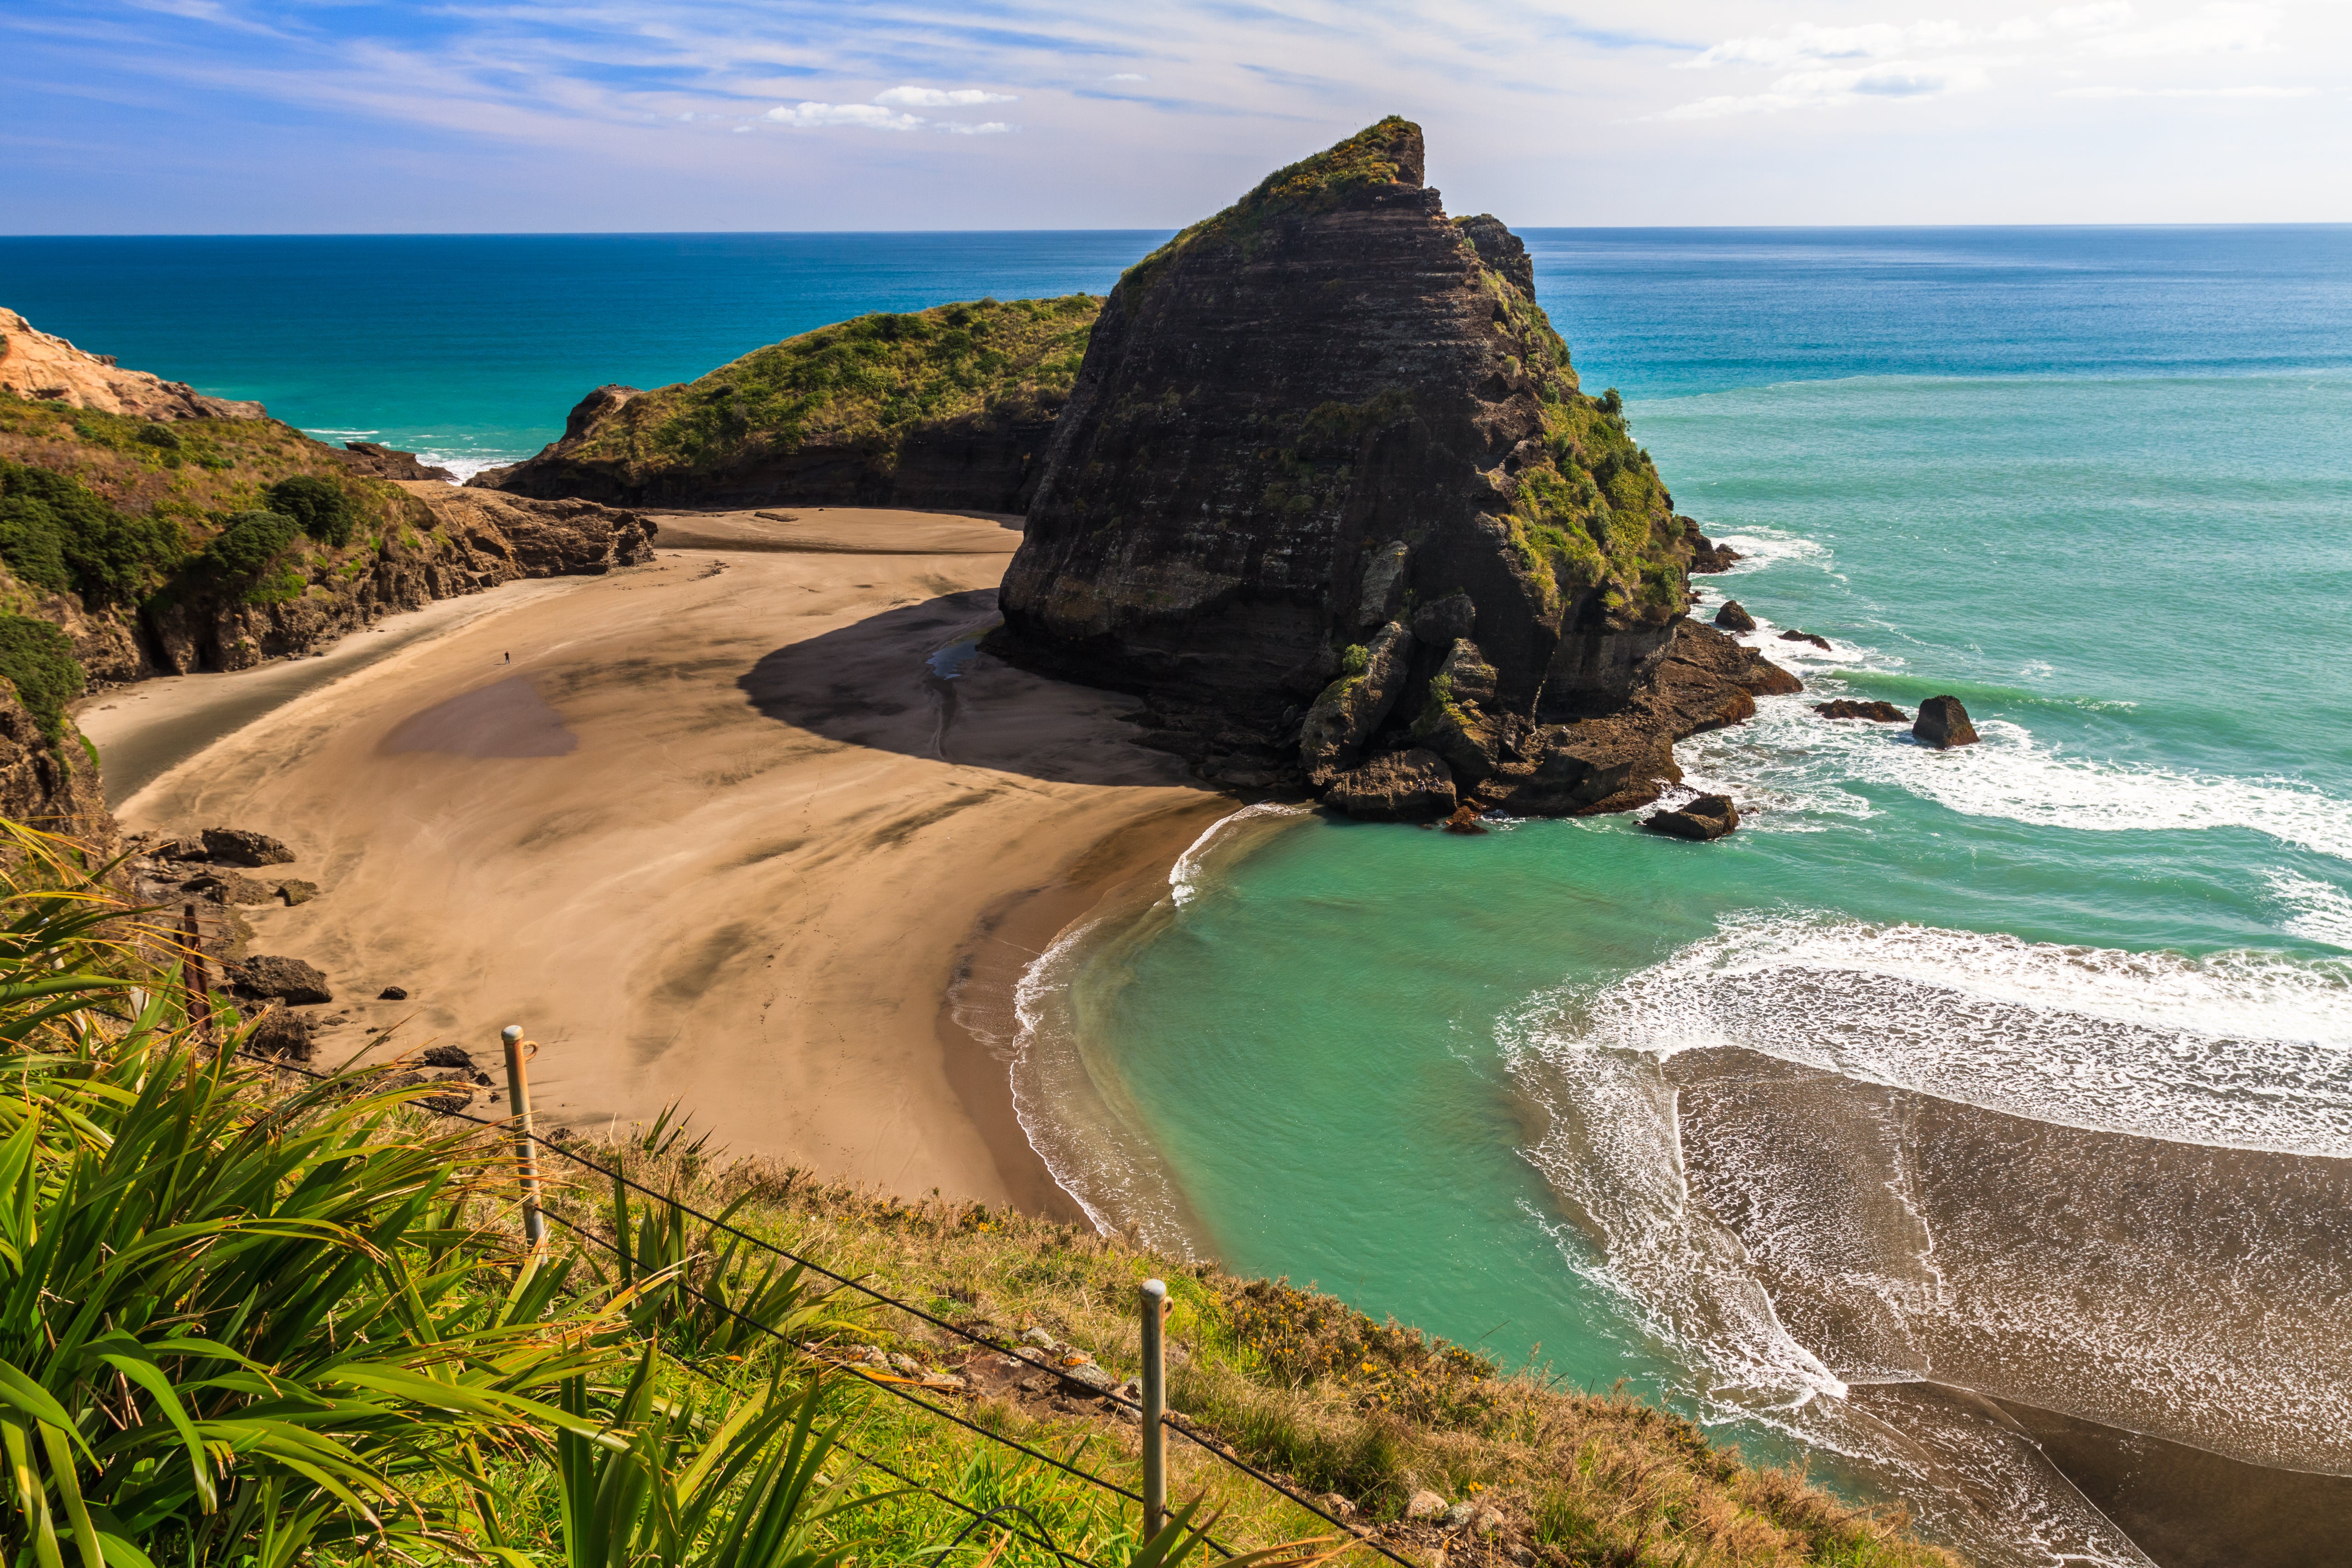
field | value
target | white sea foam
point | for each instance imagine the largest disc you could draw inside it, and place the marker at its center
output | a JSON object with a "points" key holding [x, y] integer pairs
{"points": [[1790, 757], [2238, 1050], [466, 467], [1761, 546], [1185, 877], [2322, 911]]}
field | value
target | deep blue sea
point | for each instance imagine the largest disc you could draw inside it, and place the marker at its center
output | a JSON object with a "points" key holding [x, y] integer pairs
{"points": [[2024, 1068]]}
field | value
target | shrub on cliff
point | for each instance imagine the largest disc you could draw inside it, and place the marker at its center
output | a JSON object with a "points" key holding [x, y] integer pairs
{"points": [[249, 542], [39, 660], [55, 531], [321, 506]]}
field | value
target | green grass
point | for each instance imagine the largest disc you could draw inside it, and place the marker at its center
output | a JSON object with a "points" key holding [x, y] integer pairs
{"points": [[869, 381]]}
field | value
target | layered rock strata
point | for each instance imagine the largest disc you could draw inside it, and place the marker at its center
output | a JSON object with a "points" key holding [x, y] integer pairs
{"points": [[1328, 495]]}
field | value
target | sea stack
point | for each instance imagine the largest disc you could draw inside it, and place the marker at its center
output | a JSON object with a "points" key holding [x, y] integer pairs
{"points": [[1943, 723], [1327, 489]]}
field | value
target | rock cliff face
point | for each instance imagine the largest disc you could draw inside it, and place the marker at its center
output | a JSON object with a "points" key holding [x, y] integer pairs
{"points": [[472, 541], [45, 368], [947, 408], [1326, 489]]}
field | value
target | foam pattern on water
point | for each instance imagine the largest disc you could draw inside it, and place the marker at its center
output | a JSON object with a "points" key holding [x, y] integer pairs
{"points": [[2321, 912], [1790, 758], [2236, 1050]]}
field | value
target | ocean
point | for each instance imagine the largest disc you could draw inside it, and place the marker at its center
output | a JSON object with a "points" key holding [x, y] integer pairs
{"points": [[1958, 1096]]}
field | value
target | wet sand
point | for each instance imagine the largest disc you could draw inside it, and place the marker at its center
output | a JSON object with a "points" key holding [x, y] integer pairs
{"points": [[717, 835]]}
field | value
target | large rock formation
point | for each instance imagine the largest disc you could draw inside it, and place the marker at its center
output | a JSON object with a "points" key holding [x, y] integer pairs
{"points": [[45, 368], [1326, 489], [948, 407]]}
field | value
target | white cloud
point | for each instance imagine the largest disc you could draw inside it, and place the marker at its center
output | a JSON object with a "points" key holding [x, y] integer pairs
{"points": [[934, 98], [871, 116], [1126, 76], [985, 128]]}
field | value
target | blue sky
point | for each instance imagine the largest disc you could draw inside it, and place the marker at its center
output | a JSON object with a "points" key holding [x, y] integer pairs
{"points": [[246, 116]]}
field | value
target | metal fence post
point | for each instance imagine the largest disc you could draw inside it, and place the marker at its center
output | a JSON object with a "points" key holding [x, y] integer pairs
{"points": [[1155, 1409], [534, 1224]]}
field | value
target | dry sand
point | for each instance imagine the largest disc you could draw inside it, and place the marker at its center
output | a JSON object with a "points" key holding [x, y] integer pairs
{"points": [[718, 833]]}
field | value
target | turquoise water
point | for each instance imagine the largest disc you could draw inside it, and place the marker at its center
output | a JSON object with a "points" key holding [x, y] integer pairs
{"points": [[1432, 1073], [2097, 483]]}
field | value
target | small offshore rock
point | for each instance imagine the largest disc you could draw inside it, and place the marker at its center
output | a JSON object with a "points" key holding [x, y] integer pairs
{"points": [[1876, 712], [1396, 786], [1732, 616], [1815, 638], [1465, 820], [287, 979], [296, 892], [1708, 817], [234, 847], [1426, 1504], [1943, 723], [392, 994], [447, 1057], [1708, 556]]}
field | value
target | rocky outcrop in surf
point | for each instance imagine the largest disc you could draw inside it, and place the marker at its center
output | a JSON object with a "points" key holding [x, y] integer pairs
{"points": [[1328, 495], [946, 408]]}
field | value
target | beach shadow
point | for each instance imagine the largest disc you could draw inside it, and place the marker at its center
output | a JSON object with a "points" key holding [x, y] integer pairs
{"points": [[912, 680]]}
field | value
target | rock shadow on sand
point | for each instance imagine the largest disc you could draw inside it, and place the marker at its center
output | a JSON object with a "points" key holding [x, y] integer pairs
{"points": [[880, 683]]}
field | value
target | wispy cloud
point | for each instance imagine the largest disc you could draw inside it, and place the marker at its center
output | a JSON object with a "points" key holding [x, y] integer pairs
{"points": [[935, 98], [1834, 66], [870, 116], [2251, 92]]}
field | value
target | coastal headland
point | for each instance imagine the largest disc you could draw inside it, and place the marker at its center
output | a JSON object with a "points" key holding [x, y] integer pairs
{"points": [[723, 830]]}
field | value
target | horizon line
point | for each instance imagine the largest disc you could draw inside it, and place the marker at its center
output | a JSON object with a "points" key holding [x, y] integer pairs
{"points": [[866, 233]]}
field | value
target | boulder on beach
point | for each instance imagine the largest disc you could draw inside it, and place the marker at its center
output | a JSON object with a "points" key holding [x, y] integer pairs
{"points": [[286, 979], [236, 847], [1943, 723], [1465, 820], [280, 1031], [1876, 712], [296, 891], [1708, 817], [1734, 617], [1395, 786]]}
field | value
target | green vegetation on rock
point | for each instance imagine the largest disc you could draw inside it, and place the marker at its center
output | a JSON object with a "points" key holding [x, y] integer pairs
{"points": [[872, 380], [39, 660], [322, 507], [1376, 155], [57, 532]]}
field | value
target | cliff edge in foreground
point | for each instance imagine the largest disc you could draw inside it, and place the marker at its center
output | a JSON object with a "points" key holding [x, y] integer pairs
{"points": [[1327, 494]]}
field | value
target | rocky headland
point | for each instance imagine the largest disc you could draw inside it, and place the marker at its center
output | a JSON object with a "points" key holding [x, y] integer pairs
{"points": [[1329, 497], [947, 408], [146, 530]]}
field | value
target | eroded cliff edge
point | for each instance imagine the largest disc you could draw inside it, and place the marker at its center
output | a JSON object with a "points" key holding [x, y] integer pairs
{"points": [[1328, 495]]}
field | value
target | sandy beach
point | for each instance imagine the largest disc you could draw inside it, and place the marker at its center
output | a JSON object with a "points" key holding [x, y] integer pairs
{"points": [[725, 830]]}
